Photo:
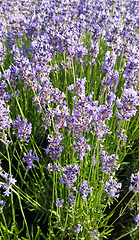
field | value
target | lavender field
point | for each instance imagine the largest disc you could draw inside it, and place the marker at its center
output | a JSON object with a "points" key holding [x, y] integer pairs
{"points": [[69, 120]]}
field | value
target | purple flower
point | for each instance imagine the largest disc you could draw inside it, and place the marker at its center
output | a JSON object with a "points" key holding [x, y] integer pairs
{"points": [[45, 94], [136, 219], [112, 187], [105, 112], [80, 50], [0, 169], [24, 129], [95, 234], [60, 116], [11, 75], [2, 53], [128, 103], [95, 34], [5, 121], [109, 163], [28, 158], [3, 94], [55, 147], [79, 228], [78, 87], [7, 192], [131, 69], [55, 167], [4, 138], [121, 135], [98, 116], [111, 82], [2, 203], [84, 190], [58, 203], [81, 147], [50, 167], [9, 182], [71, 199], [41, 51], [94, 50], [80, 118], [110, 59], [134, 186], [69, 176]]}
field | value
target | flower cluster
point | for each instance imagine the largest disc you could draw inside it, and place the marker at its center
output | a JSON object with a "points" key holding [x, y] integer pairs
{"points": [[55, 147], [109, 163], [81, 147], [80, 117], [94, 50], [45, 94], [71, 200], [80, 50], [110, 59], [73, 30], [42, 54], [79, 228], [84, 190], [95, 234], [24, 129], [2, 203], [2, 53], [55, 167], [112, 81], [131, 71], [121, 135], [69, 176], [59, 203], [28, 158], [60, 116], [112, 187], [3, 94], [6, 186], [4, 139], [130, 100], [5, 122], [134, 181], [136, 219], [11, 75]]}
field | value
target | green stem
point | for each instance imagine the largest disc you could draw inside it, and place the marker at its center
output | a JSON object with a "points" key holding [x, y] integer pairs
{"points": [[123, 235], [22, 212], [4, 220], [73, 71], [53, 195], [12, 203], [65, 225]]}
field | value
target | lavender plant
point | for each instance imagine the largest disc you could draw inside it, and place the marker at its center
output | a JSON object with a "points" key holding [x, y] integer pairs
{"points": [[69, 102]]}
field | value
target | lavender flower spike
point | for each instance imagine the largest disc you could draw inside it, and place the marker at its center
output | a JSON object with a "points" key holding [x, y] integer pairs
{"points": [[24, 129], [95, 234], [135, 181], [10, 181], [136, 219], [69, 176], [59, 203], [112, 187], [130, 100], [28, 158], [79, 228], [2, 203]]}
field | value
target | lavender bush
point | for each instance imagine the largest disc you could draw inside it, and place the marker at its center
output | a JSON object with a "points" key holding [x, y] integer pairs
{"points": [[69, 103]]}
